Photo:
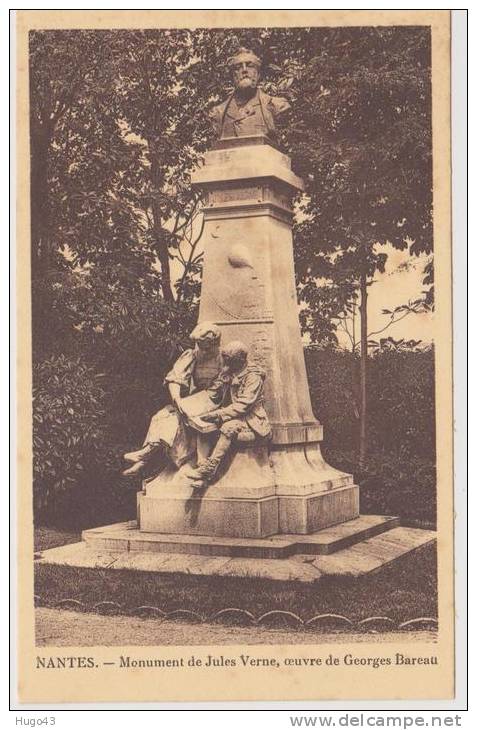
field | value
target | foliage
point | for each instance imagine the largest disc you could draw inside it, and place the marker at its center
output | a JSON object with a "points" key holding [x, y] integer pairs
{"points": [[392, 483], [116, 325], [398, 476], [401, 398], [402, 402], [128, 340], [360, 136], [81, 164], [72, 446], [333, 382]]}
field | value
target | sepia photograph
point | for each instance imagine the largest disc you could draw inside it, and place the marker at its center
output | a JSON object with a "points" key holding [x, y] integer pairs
{"points": [[233, 231]]}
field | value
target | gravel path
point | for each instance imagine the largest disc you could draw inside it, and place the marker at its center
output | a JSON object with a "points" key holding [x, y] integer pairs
{"points": [[56, 627]]}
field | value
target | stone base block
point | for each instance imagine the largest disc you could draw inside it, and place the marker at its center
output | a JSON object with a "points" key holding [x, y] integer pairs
{"points": [[302, 515], [221, 517], [216, 516], [126, 537]]}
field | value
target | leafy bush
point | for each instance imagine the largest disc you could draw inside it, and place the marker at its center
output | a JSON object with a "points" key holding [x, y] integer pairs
{"points": [[90, 408], [391, 483], [74, 451], [401, 402], [399, 475], [332, 378], [400, 399]]}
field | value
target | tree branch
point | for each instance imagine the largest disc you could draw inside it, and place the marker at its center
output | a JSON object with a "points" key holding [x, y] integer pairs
{"points": [[346, 331], [392, 321], [191, 261]]}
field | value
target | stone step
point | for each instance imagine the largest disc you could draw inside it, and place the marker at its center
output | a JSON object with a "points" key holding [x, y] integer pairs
{"points": [[355, 561], [125, 536], [370, 555]]}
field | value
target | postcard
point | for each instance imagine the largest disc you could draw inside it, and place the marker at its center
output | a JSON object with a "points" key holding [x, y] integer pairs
{"points": [[242, 215]]}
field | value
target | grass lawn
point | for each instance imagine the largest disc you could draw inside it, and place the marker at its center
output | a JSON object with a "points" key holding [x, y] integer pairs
{"points": [[404, 590], [47, 537]]}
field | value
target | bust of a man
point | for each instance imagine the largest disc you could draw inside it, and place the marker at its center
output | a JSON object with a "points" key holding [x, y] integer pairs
{"points": [[248, 111]]}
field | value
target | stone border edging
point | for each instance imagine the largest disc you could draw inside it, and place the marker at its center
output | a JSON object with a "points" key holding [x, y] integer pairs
{"points": [[240, 616]]}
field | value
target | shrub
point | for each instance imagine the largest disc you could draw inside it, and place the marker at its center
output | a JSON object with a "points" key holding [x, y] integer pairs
{"points": [[101, 350], [401, 402], [399, 475], [392, 483], [400, 399], [333, 388], [73, 450]]}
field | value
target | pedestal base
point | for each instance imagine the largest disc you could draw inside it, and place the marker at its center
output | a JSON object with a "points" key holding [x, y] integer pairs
{"points": [[215, 516], [303, 515], [126, 537], [187, 514], [258, 493]]}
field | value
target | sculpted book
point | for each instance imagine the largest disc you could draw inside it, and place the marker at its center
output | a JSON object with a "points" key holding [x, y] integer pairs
{"points": [[196, 405], [235, 475]]}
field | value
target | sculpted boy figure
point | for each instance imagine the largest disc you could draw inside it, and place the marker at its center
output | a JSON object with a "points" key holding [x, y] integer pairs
{"points": [[238, 390], [248, 111]]}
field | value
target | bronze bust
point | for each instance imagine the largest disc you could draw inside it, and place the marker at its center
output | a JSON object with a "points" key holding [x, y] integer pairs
{"points": [[248, 111]]}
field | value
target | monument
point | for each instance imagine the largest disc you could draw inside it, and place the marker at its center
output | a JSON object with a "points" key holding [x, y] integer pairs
{"points": [[244, 491], [282, 485]]}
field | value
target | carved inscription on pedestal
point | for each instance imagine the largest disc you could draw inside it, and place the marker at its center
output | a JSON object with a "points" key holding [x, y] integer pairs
{"points": [[229, 195], [275, 194], [278, 195]]}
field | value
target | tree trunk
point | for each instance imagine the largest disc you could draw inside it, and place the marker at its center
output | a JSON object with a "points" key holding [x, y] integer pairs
{"points": [[162, 251], [40, 223], [163, 255], [363, 310], [160, 234]]}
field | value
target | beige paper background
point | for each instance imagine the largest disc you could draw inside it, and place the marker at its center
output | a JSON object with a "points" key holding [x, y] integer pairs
{"points": [[120, 685]]}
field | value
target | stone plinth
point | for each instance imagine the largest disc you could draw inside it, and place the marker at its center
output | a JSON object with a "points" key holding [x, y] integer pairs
{"points": [[126, 537], [353, 549], [248, 290]]}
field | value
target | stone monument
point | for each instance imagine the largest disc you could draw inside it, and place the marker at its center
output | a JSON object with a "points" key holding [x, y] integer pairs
{"points": [[276, 511], [248, 291]]}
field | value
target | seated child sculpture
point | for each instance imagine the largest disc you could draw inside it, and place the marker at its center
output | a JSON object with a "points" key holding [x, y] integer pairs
{"points": [[241, 416], [195, 369]]}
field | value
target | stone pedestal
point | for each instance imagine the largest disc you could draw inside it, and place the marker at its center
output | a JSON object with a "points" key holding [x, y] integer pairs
{"points": [[248, 290]]}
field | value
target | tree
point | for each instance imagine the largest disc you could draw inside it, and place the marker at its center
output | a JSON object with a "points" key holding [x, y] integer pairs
{"points": [[60, 69], [158, 110], [83, 217], [361, 139], [111, 204]]}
